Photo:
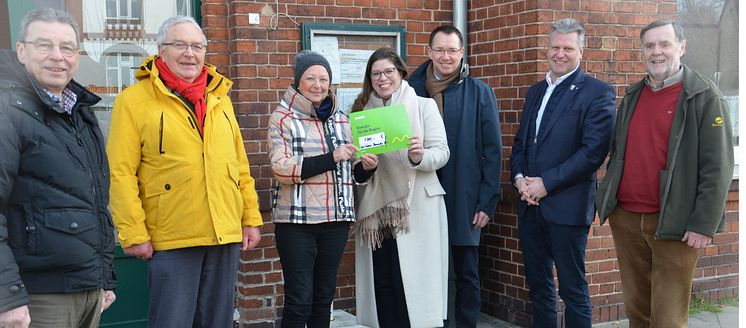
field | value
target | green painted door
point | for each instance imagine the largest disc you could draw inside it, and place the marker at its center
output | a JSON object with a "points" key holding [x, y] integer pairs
{"points": [[130, 310]]}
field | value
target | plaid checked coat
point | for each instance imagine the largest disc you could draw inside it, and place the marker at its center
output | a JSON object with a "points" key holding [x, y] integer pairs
{"points": [[294, 134]]}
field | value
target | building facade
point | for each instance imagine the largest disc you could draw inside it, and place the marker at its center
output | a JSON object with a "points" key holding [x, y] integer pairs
{"points": [[506, 49]]}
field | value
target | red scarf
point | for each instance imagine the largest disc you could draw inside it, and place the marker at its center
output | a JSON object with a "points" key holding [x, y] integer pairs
{"points": [[194, 92]]}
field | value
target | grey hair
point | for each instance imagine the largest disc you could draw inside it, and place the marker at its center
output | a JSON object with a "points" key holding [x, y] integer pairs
{"points": [[569, 25], [49, 15], [678, 30], [176, 20]]}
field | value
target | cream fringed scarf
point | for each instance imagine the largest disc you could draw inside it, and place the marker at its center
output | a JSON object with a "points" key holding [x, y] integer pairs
{"points": [[382, 205]]}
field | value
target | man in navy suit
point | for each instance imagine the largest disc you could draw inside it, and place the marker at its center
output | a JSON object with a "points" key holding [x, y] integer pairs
{"points": [[563, 138]]}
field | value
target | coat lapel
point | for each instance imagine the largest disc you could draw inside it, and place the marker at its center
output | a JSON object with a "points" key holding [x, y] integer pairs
{"points": [[571, 92], [528, 112]]}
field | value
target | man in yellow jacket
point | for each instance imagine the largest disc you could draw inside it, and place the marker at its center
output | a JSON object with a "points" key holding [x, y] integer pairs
{"points": [[181, 193]]}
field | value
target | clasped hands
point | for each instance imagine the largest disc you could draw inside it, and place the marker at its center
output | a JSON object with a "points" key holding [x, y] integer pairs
{"points": [[531, 189]]}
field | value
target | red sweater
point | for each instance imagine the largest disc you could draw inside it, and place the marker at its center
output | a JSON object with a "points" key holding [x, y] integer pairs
{"points": [[647, 149]]}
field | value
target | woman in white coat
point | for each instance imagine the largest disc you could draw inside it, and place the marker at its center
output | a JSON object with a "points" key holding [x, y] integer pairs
{"points": [[401, 253]]}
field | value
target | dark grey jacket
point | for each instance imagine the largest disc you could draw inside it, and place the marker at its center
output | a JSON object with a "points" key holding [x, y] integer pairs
{"points": [[699, 167], [56, 234]]}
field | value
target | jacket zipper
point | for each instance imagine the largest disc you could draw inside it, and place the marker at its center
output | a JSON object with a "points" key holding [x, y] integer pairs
{"points": [[96, 200], [669, 176], [160, 139]]}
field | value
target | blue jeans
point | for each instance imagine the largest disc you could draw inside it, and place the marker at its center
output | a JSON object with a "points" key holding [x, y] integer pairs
{"points": [[545, 244], [310, 256]]}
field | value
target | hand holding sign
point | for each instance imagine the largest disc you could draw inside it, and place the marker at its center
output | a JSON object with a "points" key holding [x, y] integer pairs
{"points": [[381, 130]]}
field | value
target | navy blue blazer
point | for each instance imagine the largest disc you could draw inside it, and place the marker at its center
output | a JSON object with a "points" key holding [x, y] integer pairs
{"points": [[571, 146]]}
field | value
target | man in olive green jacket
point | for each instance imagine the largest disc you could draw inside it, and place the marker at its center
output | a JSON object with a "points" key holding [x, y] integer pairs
{"points": [[667, 179]]}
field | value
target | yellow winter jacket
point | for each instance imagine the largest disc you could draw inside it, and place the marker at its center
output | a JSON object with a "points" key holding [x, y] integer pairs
{"points": [[168, 184]]}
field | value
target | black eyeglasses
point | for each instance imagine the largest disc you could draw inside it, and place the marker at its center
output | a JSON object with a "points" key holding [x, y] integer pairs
{"points": [[45, 47], [196, 47], [389, 72]]}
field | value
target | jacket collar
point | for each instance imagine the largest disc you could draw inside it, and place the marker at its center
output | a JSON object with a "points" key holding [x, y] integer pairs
{"points": [[694, 83], [216, 82]]}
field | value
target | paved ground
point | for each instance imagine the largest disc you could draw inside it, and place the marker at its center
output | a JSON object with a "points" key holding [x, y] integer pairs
{"points": [[726, 319]]}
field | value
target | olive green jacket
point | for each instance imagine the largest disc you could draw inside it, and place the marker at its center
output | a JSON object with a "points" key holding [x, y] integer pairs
{"points": [[699, 166]]}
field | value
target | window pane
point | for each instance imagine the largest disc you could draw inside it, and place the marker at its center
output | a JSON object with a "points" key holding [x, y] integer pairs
{"points": [[711, 33], [111, 8], [123, 9], [136, 9], [184, 7]]}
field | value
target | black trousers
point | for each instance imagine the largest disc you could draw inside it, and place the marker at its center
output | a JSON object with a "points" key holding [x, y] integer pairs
{"points": [[310, 256], [468, 298], [390, 302]]}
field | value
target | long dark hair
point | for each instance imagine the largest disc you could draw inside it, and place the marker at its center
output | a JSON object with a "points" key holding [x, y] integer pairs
{"points": [[383, 53]]}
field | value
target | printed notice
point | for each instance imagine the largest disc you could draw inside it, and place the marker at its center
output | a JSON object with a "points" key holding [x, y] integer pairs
{"points": [[381, 130], [328, 46], [352, 63], [346, 98]]}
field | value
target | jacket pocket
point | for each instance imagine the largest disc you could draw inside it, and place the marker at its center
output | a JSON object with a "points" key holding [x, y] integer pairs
{"points": [[168, 181], [434, 189], [168, 203], [606, 194], [20, 229], [233, 200], [234, 174], [76, 229]]}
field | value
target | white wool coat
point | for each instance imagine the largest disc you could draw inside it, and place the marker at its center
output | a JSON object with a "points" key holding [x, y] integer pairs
{"points": [[423, 251]]}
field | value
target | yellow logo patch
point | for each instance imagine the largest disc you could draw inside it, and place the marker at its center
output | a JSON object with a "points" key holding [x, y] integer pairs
{"points": [[718, 121]]}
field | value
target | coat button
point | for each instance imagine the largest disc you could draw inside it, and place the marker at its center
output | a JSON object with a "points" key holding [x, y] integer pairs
{"points": [[18, 102], [167, 186], [14, 289], [74, 226]]}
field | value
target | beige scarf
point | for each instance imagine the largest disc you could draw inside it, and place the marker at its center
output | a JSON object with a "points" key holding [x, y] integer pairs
{"points": [[436, 87], [382, 205]]}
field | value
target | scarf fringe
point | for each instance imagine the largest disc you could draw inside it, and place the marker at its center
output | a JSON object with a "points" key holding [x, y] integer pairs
{"points": [[386, 222]]}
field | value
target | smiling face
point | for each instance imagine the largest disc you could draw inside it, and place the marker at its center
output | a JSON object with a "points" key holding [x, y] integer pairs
{"points": [[446, 53], [385, 78], [185, 64], [314, 84], [661, 52], [51, 70], [564, 53]]}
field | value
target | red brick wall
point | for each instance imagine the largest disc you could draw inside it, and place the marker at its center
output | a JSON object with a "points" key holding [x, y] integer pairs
{"points": [[507, 48], [259, 61]]}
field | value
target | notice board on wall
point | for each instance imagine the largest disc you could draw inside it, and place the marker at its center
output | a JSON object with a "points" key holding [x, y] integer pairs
{"points": [[347, 47]]}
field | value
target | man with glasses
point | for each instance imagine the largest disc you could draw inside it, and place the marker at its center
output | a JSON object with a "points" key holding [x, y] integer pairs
{"points": [[56, 236], [182, 195], [562, 141], [471, 178], [666, 185]]}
